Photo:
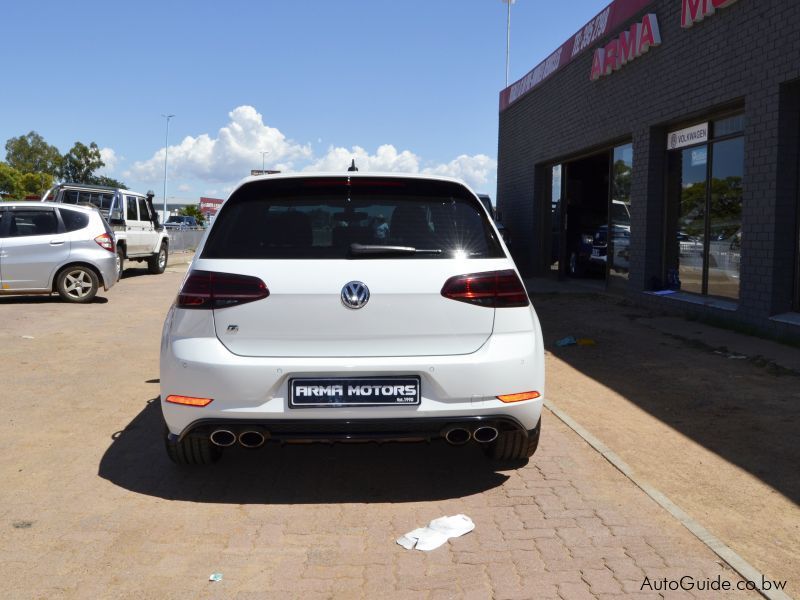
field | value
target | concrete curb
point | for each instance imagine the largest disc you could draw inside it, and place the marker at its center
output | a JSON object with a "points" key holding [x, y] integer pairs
{"points": [[736, 562]]}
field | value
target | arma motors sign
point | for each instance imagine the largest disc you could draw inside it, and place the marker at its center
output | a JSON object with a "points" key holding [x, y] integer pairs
{"points": [[629, 45], [693, 11]]}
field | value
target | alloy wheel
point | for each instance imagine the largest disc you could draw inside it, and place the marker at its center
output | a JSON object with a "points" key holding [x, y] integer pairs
{"points": [[78, 284]]}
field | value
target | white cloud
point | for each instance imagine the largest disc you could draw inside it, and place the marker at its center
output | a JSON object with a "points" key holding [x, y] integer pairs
{"points": [[231, 154], [386, 159], [476, 170], [110, 158], [237, 148], [184, 187]]}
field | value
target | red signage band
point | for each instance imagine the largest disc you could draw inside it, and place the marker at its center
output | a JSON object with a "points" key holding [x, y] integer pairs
{"points": [[608, 20]]}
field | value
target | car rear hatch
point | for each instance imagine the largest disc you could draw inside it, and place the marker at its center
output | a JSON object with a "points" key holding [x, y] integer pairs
{"points": [[335, 267]]}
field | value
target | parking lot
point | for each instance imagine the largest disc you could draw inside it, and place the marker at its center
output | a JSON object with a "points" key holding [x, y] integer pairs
{"points": [[90, 506]]}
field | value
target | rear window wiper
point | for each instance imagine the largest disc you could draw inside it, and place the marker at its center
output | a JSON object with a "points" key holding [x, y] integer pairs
{"points": [[376, 249]]}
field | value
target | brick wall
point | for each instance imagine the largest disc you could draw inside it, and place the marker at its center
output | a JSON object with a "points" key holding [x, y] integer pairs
{"points": [[745, 56]]}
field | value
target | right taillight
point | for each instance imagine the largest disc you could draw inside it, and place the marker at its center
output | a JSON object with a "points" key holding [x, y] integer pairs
{"points": [[105, 241], [208, 289], [495, 289]]}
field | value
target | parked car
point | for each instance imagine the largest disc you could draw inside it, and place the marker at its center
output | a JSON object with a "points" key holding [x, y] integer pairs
{"points": [[620, 240], [46, 248], [300, 321], [621, 244], [134, 221], [181, 222]]}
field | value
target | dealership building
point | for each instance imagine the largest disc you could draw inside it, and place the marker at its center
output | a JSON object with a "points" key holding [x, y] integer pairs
{"points": [[658, 149]]}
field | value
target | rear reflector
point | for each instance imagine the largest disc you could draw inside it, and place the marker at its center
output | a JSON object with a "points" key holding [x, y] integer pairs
{"points": [[189, 400], [207, 289], [495, 289], [519, 397], [105, 241]]}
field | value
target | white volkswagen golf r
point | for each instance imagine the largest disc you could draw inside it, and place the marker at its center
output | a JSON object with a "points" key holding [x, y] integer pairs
{"points": [[344, 307]]}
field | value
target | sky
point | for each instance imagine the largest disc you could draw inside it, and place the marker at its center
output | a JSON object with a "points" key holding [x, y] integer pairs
{"points": [[399, 86]]}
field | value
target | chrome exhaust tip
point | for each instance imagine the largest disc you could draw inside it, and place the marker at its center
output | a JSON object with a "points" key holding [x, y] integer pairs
{"points": [[222, 438], [252, 438], [485, 434], [457, 436]]}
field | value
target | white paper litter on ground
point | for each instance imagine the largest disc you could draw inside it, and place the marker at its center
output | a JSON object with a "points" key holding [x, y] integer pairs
{"points": [[436, 533]]}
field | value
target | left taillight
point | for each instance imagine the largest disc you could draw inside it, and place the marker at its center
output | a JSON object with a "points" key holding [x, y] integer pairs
{"points": [[105, 241], [209, 289], [494, 289]]}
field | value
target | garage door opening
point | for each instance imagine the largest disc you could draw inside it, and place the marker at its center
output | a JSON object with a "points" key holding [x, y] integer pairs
{"points": [[586, 200], [590, 216]]}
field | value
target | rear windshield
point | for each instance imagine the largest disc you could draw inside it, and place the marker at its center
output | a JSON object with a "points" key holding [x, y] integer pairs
{"points": [[360, 218], [100, 200]]}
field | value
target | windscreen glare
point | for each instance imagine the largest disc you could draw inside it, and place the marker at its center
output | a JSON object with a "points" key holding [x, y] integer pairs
{"points": [[358, 218]]}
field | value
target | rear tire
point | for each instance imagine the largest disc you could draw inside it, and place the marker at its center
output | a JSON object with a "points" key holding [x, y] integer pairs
{"points": [[77, 284], [514, 445], [192, 451], [157, 263]]}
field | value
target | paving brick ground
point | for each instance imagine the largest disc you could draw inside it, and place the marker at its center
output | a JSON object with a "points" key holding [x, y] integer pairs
{"points": [[91, 508]]}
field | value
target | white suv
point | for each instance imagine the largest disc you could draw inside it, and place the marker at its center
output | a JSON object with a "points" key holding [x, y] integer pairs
{"points": [[351, 307]]}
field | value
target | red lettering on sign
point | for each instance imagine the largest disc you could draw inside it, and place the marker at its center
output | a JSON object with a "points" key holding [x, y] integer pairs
{"points": [[612, 58], [650, 35], [693, 11], [629, 44], [597, 63]]}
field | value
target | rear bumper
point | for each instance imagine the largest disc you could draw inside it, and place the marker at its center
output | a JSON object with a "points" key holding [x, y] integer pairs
{"points": [[108, 270], [351, 430], [256, 390]]}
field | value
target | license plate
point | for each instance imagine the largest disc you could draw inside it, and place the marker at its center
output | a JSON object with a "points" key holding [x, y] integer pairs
{"points": [[358, 391]]}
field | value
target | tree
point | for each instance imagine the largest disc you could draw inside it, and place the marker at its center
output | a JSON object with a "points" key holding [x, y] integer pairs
{"points": [[80, 163], [10, 181], [36, 184], [192, 210], [108, 182], [31, 154]]}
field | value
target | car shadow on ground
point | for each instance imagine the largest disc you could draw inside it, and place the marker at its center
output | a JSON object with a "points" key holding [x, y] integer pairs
{"points": [[135, 271], [297, 473], [45, 299]]}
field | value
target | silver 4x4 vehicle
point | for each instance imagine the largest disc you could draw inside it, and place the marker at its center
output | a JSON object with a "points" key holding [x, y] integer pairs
{"points": [[139, 236]]}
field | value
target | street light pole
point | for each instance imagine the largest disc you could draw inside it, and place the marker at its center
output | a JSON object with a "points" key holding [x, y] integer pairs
{"points": [[166, 154], [263, 154], [508, 34]]}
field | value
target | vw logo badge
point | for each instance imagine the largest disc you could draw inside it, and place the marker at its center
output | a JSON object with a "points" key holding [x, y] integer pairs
{"points": [[355, 294]]}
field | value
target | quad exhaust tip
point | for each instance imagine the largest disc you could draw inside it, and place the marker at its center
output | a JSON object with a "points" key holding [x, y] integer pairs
{"points": [[457, 436], [223, 438], [252, 438], [485, 434]]}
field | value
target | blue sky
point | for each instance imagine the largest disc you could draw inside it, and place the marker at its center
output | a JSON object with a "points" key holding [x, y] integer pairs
{"points": [[409, 85]]}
